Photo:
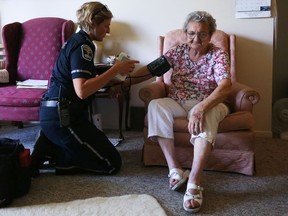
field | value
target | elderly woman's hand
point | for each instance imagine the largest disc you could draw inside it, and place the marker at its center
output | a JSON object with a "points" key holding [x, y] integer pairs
{"points": [[196, 120]]}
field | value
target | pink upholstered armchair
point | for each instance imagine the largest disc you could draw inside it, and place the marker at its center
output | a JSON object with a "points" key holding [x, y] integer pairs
{"points": [[234, 148], [31, 50]]}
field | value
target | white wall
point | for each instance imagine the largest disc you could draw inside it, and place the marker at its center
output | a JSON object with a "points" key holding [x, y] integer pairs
{"points": [[137, 24]]}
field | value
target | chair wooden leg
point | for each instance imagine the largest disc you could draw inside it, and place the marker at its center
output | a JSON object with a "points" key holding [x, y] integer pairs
{"points": [[120, 114], [19, 124], [127, 98]]}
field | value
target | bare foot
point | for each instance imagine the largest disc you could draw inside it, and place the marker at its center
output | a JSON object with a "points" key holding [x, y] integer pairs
{"points": [[193, 198], [192, 204], [177, 178]]}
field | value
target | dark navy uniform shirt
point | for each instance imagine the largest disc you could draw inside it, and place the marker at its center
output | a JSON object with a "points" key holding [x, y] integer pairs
{"points": [[74, 61]]}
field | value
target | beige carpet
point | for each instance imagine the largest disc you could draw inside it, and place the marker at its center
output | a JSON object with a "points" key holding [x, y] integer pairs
{"points": [[127, 205]]}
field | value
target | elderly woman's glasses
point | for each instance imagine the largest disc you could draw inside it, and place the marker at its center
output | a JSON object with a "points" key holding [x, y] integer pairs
{"points": [[103, 8], [201, 35]]}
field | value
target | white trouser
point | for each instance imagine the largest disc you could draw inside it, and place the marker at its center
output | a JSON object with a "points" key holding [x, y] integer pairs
{"points": [[161, 114]]}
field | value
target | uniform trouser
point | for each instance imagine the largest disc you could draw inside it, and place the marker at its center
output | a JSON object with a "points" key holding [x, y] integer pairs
{"points": [[161, 114], [81, 145]]}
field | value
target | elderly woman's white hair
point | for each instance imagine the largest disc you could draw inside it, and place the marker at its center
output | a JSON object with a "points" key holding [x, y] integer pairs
{"points": [[201, 17]]}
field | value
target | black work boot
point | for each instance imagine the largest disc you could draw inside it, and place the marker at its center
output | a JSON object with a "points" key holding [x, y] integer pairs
{"points": [[44, 150]]}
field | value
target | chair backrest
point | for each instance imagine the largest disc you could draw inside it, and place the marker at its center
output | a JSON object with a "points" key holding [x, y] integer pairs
{"points": [[32, 47], [219, 39]]}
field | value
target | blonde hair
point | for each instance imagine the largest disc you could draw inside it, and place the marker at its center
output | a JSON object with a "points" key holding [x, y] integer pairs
{"points": [[92, 10]]}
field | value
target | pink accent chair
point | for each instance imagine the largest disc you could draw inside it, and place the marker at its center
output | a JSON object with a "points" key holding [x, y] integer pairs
{"points": [[31, 49], [234, 147]]}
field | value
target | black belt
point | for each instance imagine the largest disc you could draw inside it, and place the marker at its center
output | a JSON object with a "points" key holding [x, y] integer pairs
{"points": [[49, 103]]}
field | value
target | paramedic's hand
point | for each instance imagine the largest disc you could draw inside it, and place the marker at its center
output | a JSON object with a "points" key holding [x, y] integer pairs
{"points": [[125, 67]]}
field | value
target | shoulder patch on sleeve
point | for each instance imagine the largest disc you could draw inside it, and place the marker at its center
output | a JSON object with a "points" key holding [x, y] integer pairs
{"points": [[86, 52]]}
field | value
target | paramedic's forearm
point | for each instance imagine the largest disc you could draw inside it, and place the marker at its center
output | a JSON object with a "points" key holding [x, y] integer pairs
{"points": [[138, 76]]}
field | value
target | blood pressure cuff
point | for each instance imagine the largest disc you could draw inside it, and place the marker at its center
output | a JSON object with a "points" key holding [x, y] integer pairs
{"points": [[159, 66]]}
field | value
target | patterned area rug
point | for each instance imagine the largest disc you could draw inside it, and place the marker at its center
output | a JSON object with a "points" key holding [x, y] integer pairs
{"points": [[127, 205]]}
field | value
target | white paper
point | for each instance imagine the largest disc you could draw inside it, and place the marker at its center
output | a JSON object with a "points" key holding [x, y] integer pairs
{"points": [[114, 141], [253, 8], [33, 83]]}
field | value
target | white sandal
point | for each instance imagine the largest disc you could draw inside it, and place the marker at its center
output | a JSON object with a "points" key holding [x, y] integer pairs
{"points": [[188, 196], [179, 175]]}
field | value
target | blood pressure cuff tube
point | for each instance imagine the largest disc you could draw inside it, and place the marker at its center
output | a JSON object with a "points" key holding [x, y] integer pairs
{"points": [[159, 66]]}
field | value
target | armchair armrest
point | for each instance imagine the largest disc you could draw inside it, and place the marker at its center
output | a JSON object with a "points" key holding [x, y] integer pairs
{"points": [[11, 34], [242, 97], [153, 90]]}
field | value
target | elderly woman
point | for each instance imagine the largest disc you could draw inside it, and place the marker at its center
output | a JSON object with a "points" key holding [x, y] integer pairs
{"points": [[67, 135], [200, 82]]}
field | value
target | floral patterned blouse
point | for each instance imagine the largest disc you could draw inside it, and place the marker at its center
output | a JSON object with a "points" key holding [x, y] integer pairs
{"points": [[196, 80]]}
